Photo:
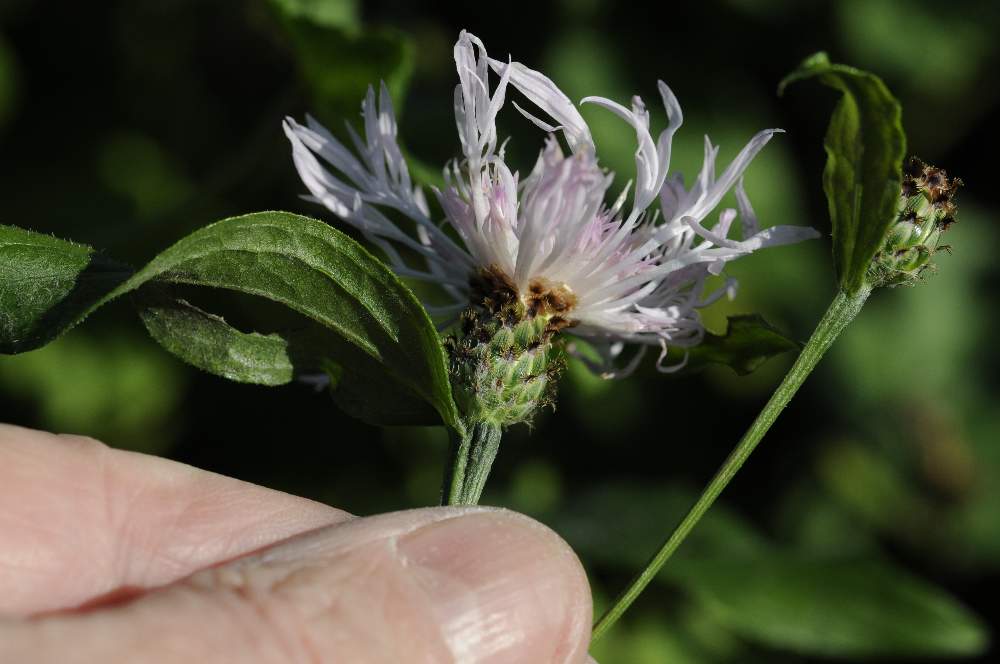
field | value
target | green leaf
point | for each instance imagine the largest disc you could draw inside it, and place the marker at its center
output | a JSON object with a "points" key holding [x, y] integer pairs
{"points": [[359, 388], [749, 341], [107, 383], [299, 262], [357, 382], [619, 524], [842, 608], [331, 13], [322, 274], [865, 145], [210, 343], [338, 60], [46, 286]]}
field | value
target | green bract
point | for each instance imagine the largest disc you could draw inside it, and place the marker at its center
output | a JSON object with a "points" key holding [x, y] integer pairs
{"points": [[362, 325], [504, 361], [926, 209], [865, 145]]}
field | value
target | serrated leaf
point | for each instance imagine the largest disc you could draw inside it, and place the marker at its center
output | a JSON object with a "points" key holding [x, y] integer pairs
{"points": [[748, 342], [831, 608], [865, 145], [299, 262]]}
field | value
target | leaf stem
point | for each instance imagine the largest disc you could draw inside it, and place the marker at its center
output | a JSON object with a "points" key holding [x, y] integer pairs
{"points": [[469, 464], [841, 312]]}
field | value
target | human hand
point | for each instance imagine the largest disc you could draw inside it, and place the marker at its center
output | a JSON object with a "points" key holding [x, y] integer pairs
{"points": [[109, 556]]}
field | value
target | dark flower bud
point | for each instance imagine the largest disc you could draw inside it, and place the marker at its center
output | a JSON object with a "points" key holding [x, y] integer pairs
{"points": [[926, 209]]}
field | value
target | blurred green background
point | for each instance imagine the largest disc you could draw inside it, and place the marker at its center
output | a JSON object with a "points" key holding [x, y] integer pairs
{"points": [[866, 526]]}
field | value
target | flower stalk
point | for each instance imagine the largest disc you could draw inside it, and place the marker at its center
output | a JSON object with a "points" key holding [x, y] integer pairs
{"points": [[843, 309], [470, 460], [926, 209], [504, 366]]}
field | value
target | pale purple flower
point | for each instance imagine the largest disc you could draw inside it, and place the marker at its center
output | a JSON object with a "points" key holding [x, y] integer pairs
{"points": [[637, 275]]}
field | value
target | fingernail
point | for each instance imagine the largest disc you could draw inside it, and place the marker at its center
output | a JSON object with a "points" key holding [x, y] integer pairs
{"points": [[502, 588]]}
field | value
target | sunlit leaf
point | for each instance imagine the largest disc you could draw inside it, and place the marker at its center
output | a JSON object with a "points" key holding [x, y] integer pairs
{"points": [[355, 380], [865, 146], [210, 343], [318, 272]]}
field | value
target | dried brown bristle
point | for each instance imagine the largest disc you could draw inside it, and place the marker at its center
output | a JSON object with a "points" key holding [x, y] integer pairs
{"points": [[913, 167], [492, 288], [546, 298]]}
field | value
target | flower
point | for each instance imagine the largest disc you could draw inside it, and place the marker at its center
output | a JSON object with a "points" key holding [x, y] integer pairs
{"points": [[620, 277]]}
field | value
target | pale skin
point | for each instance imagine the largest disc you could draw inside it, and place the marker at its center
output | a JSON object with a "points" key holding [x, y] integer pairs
{"points": [[112, 556]]}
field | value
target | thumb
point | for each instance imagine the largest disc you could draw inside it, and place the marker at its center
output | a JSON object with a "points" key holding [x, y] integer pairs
{"points": [[432, 585]]}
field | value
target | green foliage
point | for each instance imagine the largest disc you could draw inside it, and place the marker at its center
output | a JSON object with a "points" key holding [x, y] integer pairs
{"points": [[653, 639], [605, 526], [332, 13], [105, 382], [47, 285], [362, 387], [338, 60], [377, 325], [865, 145], [109, 386], [749, 341], [535, 486], [952, 52], [137, 168], [210, 343], [837, 608]]}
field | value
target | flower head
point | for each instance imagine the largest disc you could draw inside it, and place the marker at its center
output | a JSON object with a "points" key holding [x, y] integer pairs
{"points": [[611, 272], [925, 210]]}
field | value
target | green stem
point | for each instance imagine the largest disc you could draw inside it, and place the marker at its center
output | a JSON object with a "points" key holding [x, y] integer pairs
{"points": [[842, 311], [470, 462]]}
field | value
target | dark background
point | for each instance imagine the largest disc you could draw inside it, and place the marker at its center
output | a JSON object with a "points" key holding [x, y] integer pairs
{"points": [[128, 124]]}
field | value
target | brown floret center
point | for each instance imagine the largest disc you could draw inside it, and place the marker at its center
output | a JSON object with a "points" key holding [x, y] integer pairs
{"points": [[497, 292]]}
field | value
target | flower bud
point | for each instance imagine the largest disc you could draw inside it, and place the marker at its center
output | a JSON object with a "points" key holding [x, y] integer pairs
{"points": [[504, 365], [926, 209]]}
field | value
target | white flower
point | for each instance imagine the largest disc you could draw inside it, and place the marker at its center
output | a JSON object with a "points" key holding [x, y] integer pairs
{"points": [[633, 277]]}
